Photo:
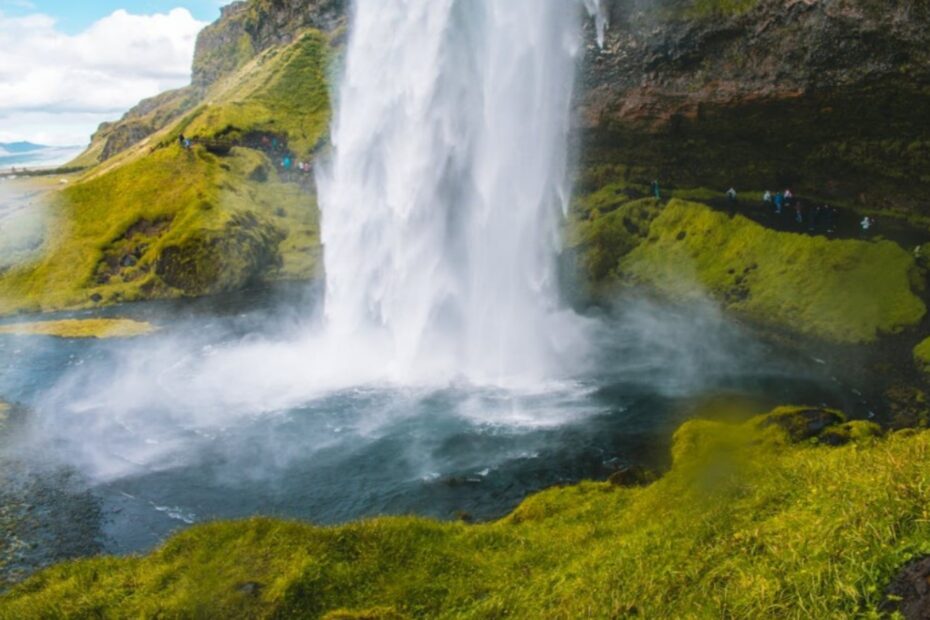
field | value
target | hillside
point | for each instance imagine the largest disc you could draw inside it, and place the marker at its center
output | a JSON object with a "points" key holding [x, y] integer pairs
{"points": [[151, 219]]}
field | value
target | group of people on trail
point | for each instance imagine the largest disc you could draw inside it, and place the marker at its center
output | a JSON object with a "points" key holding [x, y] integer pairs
{"points": [[287, 163], [780, 202]]}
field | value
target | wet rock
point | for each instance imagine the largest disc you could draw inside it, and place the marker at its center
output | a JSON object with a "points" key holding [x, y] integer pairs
{"points": [[909, 592], [249, 588]]}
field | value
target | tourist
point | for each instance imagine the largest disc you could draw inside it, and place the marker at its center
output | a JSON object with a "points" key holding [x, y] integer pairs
{"points": [[830, 215], [789, 197], [799, 212], [731, 195], [182, 141], [779, 201], [655, 190], [767, 198], [866, 224], [286, 162]]}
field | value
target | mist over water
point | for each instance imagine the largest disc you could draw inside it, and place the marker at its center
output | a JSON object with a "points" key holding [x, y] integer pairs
{"points": [[441, 207]]}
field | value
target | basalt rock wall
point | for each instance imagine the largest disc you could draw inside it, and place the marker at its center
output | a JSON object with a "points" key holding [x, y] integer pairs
{"points": [[827, 96]]}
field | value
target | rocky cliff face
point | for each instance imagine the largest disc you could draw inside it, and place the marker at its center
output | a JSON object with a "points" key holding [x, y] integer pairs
{"points": [[244, 30], [249, 28], [829, 96]]}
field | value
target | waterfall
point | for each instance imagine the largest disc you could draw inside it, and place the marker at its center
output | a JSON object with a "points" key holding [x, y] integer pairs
{"points": [[443, 199]]}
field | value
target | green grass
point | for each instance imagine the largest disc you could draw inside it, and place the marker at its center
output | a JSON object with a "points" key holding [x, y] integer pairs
{"points": [[838, 290], [746, 524]]}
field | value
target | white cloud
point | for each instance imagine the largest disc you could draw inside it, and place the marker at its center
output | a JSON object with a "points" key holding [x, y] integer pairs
{"points": [[74, 82]]}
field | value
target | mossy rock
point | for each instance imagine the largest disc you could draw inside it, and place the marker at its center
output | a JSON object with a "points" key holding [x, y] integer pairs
{"points": [[801, 423], [850, 432], [219, 261], [922, 356]]}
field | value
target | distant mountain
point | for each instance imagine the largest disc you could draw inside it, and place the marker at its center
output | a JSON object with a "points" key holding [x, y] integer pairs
{"points": [[21, 147], [20, 154]]}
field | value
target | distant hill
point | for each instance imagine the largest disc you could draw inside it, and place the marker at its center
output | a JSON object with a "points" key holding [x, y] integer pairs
{"points": [[21, 147], [27, 154]]}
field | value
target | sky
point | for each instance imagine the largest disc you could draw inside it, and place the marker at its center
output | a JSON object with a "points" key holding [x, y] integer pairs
{"points": [[68, 65]]}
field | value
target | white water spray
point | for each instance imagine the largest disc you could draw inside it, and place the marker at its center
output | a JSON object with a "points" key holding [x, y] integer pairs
{"points": [[441, 207]]}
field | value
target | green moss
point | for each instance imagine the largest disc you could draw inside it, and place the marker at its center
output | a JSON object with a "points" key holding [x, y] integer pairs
{"points": [[746, 524], [922, 356], [844, 291], [706, 8], [856, 431], [603, 240]]}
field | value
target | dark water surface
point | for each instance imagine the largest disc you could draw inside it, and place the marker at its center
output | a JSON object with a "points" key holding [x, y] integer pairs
{"points": [[120, 480]]}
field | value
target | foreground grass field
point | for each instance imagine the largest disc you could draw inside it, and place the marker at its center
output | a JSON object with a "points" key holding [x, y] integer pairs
{"points": [[754, 520]]}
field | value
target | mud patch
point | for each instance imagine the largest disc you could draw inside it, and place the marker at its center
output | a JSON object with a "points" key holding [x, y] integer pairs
{"points": [[909, 592]]}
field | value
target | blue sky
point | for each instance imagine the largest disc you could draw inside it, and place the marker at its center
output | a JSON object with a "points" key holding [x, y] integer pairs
{"points": [[76, 15], [69, 65]]}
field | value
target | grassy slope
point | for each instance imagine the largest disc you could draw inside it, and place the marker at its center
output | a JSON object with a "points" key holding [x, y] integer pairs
{"points": [[202, 196], [844, 291], [745, 525], [284, 91]]}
